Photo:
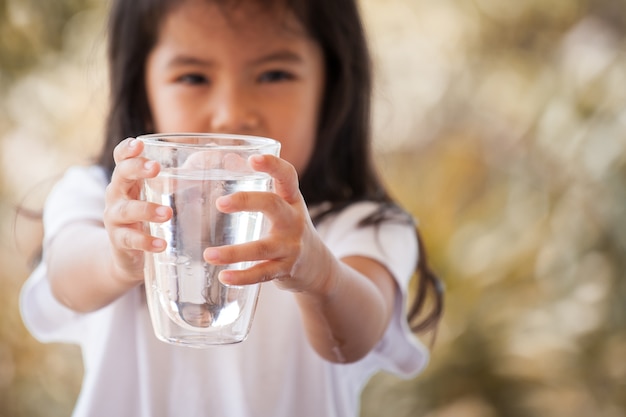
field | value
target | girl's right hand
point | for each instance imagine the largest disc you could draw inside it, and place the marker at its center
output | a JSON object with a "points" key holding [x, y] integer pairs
{"points": [[125, 214]]}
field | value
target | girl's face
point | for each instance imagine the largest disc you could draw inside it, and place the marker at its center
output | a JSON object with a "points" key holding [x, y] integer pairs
{"points": [[240, 71]]}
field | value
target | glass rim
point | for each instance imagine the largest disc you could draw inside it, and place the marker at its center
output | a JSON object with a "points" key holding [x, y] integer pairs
{"points": [[249, 141]]}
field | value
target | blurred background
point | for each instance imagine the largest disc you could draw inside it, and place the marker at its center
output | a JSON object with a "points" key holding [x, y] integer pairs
{"points": [[501, 125]]}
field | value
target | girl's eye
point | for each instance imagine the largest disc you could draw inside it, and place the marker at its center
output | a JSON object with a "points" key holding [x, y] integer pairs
{"points": [[193, 79], [275, 76]]}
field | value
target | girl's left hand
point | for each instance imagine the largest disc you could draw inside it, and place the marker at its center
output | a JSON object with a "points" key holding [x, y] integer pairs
{"points": [[291, 253]]}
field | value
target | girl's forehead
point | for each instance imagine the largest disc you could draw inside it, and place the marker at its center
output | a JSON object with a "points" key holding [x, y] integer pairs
{"points": [[243, 16], [253, 21], [239, 31]]}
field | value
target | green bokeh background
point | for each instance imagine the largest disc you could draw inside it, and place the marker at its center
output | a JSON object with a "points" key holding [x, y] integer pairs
{"points": [[500, 125]]}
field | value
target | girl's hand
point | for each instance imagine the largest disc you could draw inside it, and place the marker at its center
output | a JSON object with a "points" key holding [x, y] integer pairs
{"points": [[345, 304], [124, 213], [291, 252]]}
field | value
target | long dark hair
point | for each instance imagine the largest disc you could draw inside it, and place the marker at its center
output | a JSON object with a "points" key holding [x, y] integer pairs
{"points": [[340, 171]]}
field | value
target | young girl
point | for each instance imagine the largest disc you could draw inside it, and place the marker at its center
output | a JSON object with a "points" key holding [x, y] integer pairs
{"points": [[339, 252]]}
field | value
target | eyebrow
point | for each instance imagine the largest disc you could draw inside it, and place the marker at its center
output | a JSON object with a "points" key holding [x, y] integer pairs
{"points": [[279, 56], [184, 60]]}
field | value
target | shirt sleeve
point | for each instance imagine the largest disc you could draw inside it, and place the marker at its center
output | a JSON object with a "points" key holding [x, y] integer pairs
{"points": [[394, 245], [78, 196]]}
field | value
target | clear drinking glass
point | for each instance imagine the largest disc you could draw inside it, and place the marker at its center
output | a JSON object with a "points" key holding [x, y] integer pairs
{"points": [[188, 304]]}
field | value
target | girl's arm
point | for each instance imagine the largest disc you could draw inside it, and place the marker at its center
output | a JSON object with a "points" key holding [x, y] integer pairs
{"points": [[89, 265], [345, 322], [79, 267], [346, 304]]}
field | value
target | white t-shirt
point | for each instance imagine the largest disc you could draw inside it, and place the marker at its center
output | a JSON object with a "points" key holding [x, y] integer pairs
{"points": [[273, 373]]}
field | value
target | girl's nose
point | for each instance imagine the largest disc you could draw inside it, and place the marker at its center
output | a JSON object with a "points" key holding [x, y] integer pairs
{"points": [[233, 112]]}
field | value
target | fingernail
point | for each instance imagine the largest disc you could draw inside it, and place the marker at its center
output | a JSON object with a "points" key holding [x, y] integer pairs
{"points": [[226, 277], [158, 244], [162, 211], [223, 202], [211, 254], [132, 143], [149, 165]]}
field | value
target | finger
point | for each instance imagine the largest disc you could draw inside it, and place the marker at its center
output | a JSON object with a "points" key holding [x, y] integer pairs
{"points": [[262, 201], [261, 272], [205, 160], [258, 250], [128, 148], [234, 162], [127, 212], [129, 238], [128, 174], [284, 174], [130, 167], [130, 170]]}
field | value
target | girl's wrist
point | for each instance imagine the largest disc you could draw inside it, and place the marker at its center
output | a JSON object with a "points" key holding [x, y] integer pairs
{"points": [[125, 278], [324, 278]]}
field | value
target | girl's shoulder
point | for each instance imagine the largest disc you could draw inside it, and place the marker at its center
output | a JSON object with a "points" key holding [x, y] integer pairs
{"points": [[377, 230], [364, 221], [77, 196], [79, 180], [328, 209], [361, 212], [85, 173]]}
